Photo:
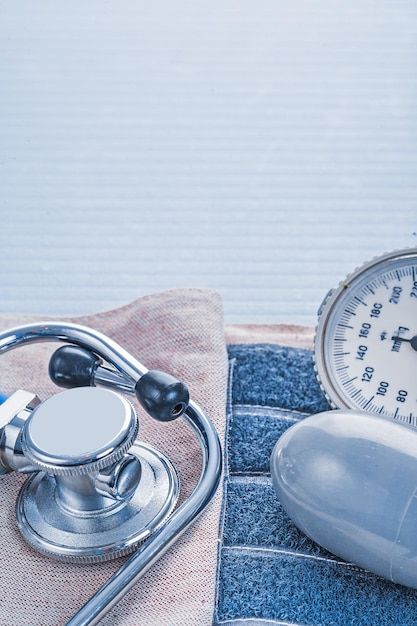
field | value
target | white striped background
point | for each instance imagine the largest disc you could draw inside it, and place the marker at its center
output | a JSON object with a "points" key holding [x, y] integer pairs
{"points": [[263, 149]]}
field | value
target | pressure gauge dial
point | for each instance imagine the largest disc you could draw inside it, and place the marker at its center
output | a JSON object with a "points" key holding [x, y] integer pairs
{"points": [[365, 348]]}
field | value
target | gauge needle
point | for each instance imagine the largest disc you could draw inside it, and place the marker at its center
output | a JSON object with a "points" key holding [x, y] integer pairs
{"points": [[412, 341]]}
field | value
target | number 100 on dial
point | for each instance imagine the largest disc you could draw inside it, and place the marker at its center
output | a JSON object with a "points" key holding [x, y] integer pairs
{"points": [[365, 347]]}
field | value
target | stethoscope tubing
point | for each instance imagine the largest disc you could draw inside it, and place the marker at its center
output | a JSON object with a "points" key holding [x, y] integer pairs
{"points": [[79, 335]]}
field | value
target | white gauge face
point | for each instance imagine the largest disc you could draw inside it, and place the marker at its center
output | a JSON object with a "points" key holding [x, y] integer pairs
{"points": [[366, 341]]}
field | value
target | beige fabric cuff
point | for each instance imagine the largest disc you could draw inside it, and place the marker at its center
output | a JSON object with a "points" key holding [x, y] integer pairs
{"points": [[179, 331]]}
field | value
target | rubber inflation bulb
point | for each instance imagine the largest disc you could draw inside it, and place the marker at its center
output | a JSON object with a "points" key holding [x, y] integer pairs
{"points": [[348, 480]]}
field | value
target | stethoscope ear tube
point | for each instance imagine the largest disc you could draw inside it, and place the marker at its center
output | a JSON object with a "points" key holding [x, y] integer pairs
{"points": [[165, 398]]}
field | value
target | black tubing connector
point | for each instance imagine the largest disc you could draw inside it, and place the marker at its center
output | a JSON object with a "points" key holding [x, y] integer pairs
{"points": [[73, 366], [162, 395]]}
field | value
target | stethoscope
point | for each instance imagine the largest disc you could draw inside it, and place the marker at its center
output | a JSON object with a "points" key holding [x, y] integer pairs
{"points": [[102, 495]]}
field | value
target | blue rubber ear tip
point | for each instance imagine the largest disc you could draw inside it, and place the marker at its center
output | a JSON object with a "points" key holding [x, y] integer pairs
{"points": [[348, 480], [3, 397]]}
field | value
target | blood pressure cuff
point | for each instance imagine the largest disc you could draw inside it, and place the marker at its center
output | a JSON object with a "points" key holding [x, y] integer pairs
{"points": [[269, 572], [242, 561]]}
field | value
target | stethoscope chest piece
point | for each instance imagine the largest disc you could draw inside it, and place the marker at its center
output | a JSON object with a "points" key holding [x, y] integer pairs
{"points": [[97, 493], [94, 492]]}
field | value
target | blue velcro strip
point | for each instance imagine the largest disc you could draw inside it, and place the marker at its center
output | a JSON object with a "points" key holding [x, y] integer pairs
{"points": [[268, 569]]}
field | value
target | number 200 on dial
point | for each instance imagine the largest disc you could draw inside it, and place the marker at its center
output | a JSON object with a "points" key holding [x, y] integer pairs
{"points": [[366, 340]]}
